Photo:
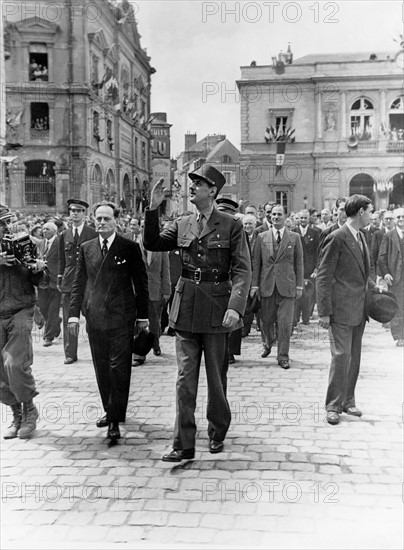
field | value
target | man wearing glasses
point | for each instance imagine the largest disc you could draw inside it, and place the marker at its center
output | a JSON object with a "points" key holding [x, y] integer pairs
{"points": [[69, 247]]}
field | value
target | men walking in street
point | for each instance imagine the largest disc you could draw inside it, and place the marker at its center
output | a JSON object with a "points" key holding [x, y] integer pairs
{"points": [[342, 281], [209, 302], [278, 277], [69, 247], [49, 297], [388, 223], [391, 267], [110, 284], [17, 299]]}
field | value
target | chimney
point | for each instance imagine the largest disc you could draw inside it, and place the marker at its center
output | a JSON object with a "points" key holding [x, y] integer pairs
{"points": [[190, 139]]}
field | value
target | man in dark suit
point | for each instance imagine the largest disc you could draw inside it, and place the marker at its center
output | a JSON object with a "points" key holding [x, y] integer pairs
{"points": [[210, 299], [391, 267], [310, 237], [278, 276], [110, 273], [387, 225], [342, 281], [341, 219], [49, 296], [69, 245]]}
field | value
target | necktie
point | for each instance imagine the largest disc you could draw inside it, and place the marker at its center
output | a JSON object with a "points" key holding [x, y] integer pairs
{"points": [[200, 223], [360, 242], [76, 236], [278, 236], [105, 248], [46, 247]]}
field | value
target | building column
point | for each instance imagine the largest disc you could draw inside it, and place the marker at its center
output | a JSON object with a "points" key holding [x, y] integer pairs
{"points": [[16, 187], [319, 115], [343, 135]]}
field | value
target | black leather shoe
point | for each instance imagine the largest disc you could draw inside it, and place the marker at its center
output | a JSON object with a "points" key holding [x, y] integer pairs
{"points": [[102, 422], [284, 363], [215, 446], [232, 360], [332, 417], [113, 431], [157, 352], [265, 351], [353, 411], [177, 455], [69, 360], [137, 362]]}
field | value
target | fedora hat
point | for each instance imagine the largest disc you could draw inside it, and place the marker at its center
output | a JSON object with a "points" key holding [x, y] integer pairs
{"points": [[78, 202], [380, 306], [224, 203], [208, 173], [143, 342]]}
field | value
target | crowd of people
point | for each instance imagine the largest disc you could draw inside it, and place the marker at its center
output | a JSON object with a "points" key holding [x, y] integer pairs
{"points": [[204, 277]]}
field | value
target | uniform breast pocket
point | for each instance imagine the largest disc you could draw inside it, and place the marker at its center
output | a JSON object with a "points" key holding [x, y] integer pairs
{"points": [[220, 249], [184, 246]]}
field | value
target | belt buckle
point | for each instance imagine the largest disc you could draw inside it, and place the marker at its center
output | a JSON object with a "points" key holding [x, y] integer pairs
{"points": [[215, 273], [197, 275]]}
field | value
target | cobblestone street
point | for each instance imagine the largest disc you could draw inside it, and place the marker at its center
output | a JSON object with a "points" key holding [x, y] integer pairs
{"points": [[286, 478]]}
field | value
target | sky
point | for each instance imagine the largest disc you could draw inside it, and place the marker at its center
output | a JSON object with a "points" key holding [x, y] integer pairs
{"points": [[197, 49]]}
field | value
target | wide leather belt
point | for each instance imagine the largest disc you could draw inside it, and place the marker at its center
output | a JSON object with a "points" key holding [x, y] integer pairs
{"points": [[200, 276]]}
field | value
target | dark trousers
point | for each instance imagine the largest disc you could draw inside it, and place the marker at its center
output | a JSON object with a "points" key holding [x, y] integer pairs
{"points": [[155, 310], [397, 323], [111, 351], [70, 341], [305, 305], [235, 342], [277, 322], [49, 303], [189, 348], [17, 383], [346, 348]]}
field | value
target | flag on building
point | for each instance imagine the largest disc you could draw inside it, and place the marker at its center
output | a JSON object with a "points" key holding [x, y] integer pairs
{"points": [[280, 156]]}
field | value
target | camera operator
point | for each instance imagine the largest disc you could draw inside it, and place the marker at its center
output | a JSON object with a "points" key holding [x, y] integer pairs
{"points": [[18, 275]]}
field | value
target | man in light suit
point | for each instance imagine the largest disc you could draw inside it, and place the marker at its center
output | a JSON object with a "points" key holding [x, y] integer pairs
{"points": [[69, 245], [391, 267], [342, 280], [49, 297], [209, 302], [278, 277], [111, 285]]}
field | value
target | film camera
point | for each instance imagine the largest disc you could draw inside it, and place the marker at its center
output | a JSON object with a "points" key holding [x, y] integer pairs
{"points": [[19, 249]]}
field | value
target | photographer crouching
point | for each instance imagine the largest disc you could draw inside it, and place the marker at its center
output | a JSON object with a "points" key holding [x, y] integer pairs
{"points": [[19, 272]]}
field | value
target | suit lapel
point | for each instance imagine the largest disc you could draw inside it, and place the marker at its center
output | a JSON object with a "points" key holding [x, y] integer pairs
{"points": [[269, 241], [354, 248], [283, 243], [210, 224]]}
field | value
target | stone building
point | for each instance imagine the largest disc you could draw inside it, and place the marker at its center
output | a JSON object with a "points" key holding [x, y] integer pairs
{"points": [[213, 149], [340, 118], [78, 104]]}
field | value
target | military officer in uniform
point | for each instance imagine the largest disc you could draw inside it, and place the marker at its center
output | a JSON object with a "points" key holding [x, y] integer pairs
{"points": [[69, 246], [209, 302]]}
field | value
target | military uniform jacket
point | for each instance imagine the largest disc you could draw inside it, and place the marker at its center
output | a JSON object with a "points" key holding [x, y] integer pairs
{"points": [[69, 254], [222, 246]]}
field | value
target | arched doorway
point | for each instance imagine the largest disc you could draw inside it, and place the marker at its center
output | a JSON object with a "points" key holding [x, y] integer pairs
{"points": [[396, 197], [40, 185], [109, 192], [96, 183], [127, 195], [362, 184]]}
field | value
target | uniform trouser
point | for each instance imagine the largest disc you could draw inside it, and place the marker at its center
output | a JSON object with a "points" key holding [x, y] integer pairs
{"points": [[189, 348], [17, 383], [304, 305], [397, 323], [277, 322], [111, 351], [155, 310], [346, 347], [235, 342], [70, 341], [49, 304]]}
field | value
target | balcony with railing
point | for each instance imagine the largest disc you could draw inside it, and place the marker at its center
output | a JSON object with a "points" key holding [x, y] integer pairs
{"points": [[395, 146]]}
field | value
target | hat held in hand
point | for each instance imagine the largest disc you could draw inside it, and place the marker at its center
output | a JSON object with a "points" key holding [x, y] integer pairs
{"points": [[380, 306], [143, 342]]}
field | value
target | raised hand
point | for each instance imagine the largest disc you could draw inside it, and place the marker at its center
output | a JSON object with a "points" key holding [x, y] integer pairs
{"points": [[157, 195]]}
